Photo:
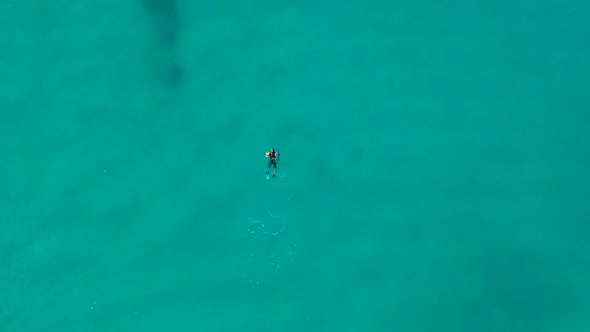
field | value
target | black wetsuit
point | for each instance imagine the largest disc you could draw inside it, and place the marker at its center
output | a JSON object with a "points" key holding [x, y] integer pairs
{"points": [[272, 159]]}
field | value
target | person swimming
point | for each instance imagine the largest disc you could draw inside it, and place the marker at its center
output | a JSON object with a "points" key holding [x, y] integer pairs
{"points": [[272, 160]]}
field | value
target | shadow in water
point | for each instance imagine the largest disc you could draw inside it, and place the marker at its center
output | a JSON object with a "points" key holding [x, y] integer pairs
{"points": [[165, 16]]}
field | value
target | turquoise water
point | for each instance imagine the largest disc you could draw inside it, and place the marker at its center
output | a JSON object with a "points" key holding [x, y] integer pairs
{"points": [[433, 176]]}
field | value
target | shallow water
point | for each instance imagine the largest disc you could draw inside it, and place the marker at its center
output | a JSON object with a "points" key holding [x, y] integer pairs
{"points": [[433, 174]]}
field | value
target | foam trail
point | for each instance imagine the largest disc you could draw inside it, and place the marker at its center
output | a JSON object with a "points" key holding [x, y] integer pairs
{"points": [[268, 251]]}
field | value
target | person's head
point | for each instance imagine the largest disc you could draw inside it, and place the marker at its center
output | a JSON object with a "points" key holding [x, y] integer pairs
{"points": [[272, 150]]}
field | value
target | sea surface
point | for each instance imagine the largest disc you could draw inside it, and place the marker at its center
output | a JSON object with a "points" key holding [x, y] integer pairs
{"points": [[433, 173]]}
